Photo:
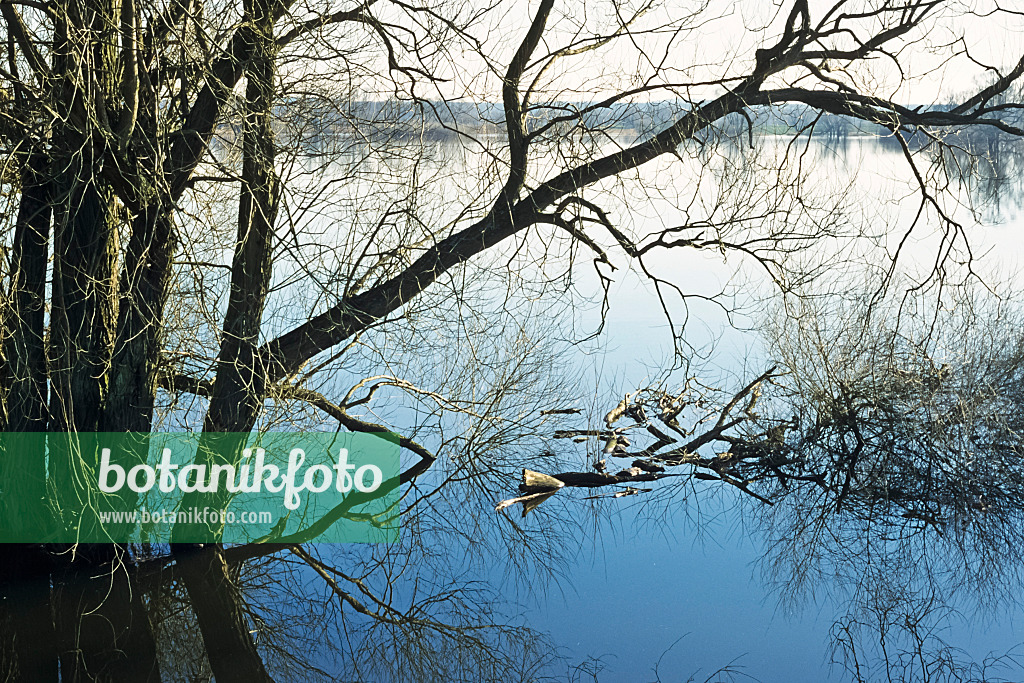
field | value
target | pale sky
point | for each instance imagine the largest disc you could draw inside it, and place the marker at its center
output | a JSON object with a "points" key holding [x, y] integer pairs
{"points": [[716, 42]]}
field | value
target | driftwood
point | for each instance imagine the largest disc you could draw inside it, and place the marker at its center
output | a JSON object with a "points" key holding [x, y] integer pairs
{"points": [[738, 466], [538, 487], [529, 502]]}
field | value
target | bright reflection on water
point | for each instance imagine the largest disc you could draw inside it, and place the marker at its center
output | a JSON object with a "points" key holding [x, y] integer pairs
{"points": [[672, 580], [651, 579]]}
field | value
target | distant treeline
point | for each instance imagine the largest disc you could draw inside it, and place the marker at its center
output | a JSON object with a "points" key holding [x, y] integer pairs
{"points": [[313, 122]]}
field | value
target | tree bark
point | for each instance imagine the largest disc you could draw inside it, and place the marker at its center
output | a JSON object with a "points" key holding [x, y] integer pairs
{"points": [[101, 627], [240, 384], [83, 312], [145, 283], [23, 348]]}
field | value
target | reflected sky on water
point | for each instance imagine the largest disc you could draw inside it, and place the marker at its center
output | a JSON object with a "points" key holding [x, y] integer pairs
{"points": [[687, 592], [676, 579]]}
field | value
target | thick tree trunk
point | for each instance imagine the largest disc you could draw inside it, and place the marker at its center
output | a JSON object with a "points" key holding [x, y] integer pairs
{"points": [[101, 627], [240, 385], [146, 274], [23, 347], [83, 312], [24, 469], [144, 287]]}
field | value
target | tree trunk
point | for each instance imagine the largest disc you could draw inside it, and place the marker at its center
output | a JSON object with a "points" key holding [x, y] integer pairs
{"points": [[83, 312], [144, 287], [240, 384], [23, 349], [25, 577], [100, 623], [24, 470]]}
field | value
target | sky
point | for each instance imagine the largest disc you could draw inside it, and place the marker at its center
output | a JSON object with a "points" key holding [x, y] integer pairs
{"points": [[687, 44]]}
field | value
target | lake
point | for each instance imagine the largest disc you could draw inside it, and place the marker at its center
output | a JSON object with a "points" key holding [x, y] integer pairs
{"points": [[673, 580]]}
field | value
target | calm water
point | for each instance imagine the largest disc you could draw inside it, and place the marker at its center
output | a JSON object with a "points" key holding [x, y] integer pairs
{"points": [[681, 585], [634, 583]]}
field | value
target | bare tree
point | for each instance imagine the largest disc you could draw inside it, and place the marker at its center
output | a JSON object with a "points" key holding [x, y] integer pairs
{"points": [[131, 132]]}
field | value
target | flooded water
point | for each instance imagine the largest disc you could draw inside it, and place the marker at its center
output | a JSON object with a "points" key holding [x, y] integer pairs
{"points": [[675, 581], [765, 565]]}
